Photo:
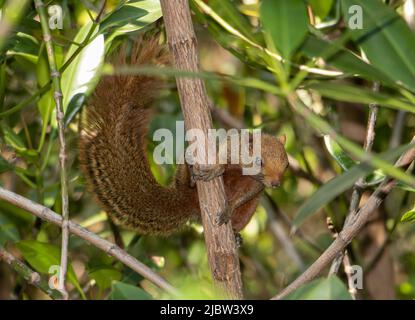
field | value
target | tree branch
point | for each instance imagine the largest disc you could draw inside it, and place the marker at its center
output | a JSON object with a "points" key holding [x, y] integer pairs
{"points": [[28, 274], [104, 245], [351, 230], [358, 186], [220, 240], [57, 94]]}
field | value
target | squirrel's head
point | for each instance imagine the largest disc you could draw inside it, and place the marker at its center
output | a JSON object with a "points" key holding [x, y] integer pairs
{"points": [[273, 160]]}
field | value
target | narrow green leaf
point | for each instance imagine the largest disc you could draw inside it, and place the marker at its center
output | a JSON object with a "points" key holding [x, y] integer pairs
{"points": [[286, 21], [331, 288], [131, 16], [26, 46], [320, 125], [386, 39], [409, 216], [228, 11], [340, 184], [348, 93], [123, 291], [343, 59], [338, 153]]}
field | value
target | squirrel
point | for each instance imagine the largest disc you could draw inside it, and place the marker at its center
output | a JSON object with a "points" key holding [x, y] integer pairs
{"points": [[112, 153]]}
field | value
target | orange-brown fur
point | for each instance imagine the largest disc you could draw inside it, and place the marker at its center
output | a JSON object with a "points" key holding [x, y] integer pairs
{"points": [[113, 156]]}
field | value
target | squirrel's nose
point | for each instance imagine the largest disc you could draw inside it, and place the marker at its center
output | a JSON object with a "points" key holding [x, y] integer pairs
{"points": [[275, 184]]}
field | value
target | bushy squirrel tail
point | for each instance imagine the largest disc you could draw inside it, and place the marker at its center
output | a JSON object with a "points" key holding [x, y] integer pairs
{"points": [[112, 147]]}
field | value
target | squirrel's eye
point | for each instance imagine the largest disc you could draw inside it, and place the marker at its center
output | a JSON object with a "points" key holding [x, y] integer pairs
{"points": [[258, 161]]}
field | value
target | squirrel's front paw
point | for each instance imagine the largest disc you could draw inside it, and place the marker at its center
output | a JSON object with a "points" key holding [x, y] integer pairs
{"points": [[238, 240], [225, 215], [206, 172]]}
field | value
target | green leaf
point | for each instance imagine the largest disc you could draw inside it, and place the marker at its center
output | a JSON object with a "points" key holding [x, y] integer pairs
{"points": [[105, 276], [348, 93], [8, 231], [338, 153], [81, 77], [123, 291], [26, 46], [404, 186], [42, 256], [131, 16], [321, 7], [230, 13], [409, 216], [17, 143], [286, 21], [45, 102], [340, 184], [331, 288], [343, 59], [386, 39]]}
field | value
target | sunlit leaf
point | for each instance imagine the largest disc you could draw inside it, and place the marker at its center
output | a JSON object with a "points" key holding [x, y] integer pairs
{"points": [[80, 78], [131, 16], [338, 153], [348, 93], [409, 216]]}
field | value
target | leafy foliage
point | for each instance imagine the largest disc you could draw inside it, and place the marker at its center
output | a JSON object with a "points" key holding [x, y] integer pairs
{"points": [[288, 67]]}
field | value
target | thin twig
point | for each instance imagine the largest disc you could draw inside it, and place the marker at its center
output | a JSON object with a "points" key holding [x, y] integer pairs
{"points": [[104, 245], [28, 274], [346, 261], [357, 222], [358, 186], [56, 82], [281, 235]]}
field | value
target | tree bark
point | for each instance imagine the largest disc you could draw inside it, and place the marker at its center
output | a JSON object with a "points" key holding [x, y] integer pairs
{"points": [[220, 240]]}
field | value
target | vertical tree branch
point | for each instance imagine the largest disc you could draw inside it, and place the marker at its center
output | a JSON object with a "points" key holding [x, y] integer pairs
{"points": [[220, 240], [55, 76]]}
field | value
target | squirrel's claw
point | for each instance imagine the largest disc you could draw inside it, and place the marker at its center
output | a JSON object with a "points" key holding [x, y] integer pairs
{"points": [[205, 172], [238, 240], [224, 216]]}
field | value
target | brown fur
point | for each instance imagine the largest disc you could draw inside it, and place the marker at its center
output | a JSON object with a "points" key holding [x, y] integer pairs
{"points": [[113, 156]]}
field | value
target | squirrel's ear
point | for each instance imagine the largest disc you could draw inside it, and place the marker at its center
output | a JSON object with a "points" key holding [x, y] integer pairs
{"points": [[282, 139]]}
